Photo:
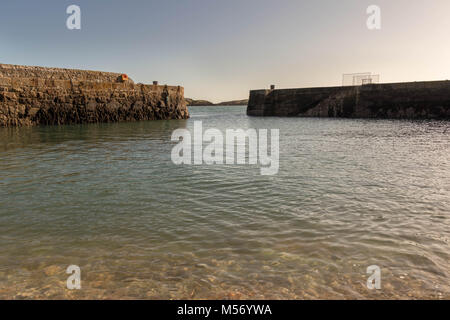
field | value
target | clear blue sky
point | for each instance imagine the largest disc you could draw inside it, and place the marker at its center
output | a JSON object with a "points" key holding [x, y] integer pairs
{"points": [[220, 49]]}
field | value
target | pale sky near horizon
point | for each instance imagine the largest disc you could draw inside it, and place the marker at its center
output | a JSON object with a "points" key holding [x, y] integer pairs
{"points": [[220, 49]]}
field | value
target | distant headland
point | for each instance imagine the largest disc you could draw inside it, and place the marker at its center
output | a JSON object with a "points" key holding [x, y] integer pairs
{"points": [[409, 100], [53, 96], [192, 102]]}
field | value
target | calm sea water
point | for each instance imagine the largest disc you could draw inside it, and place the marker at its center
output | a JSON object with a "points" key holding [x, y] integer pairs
{"points": [[349, 194]]}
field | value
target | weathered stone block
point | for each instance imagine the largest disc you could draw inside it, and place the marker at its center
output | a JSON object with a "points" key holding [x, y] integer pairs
{"points": [[5, 81]]}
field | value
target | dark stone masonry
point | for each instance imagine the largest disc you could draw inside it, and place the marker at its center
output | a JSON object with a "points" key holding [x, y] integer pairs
{"points": [[409, 100], [52, 96]]}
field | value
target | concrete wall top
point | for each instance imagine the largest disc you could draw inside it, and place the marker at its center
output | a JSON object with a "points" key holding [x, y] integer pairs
{"points": [[396, 85], [17, 75]]}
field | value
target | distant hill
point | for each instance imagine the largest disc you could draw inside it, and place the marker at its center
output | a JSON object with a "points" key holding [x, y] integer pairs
{"points": [[192, 102], [243, 102]]}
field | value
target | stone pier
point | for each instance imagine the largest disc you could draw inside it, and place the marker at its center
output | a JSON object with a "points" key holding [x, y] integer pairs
{"points": [[409, 100], [53, 96]]}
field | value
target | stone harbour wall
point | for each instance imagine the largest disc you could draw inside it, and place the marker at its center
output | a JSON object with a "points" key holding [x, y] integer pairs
{"points": [[51, 96], [409, 100]]}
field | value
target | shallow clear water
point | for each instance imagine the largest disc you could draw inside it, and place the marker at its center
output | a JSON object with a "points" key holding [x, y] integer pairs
{"points": [[349, 194]]}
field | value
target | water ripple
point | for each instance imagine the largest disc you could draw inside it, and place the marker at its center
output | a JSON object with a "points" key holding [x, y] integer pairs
{"points": [[349, 194]]}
